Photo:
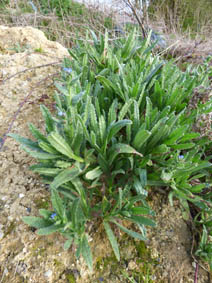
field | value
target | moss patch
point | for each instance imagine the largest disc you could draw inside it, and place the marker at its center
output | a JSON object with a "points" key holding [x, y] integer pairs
{"points": [[10, 228], [42, 203], [70, 278]]}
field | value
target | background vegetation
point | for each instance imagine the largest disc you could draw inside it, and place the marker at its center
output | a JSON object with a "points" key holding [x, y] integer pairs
{"points": [[183, 15]]}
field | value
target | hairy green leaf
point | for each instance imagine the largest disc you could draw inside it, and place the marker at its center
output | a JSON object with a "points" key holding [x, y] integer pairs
{"points": [[65, 176], [59, 143], [86, 252], [93, 174], [130, 232], [112, 239], [36, 222]]}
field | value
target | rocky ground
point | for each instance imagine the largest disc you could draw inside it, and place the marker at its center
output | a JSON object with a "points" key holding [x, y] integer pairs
{"points": [[26, 257]]}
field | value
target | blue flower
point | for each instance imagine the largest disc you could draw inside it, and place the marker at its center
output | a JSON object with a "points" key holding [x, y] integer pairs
{"points": [[181, 156], [60, 113], [53, 215], [68, 70]]}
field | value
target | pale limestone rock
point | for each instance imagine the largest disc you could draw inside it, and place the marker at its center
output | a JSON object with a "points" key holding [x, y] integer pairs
{"points": [[31, 38]]}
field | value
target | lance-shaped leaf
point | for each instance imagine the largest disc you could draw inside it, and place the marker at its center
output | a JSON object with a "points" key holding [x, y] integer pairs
{"points": [[45, 146], [49, 121], [36, 222], [57, 203], [40, 154], [138, 187], [93, 118], [102, 128], [130, 232], [143, 177], [182, 146], [189, 136], [153, 72], [114, 128], [112, 239], [93, 174], [45, 170], [160, 149], [49, 230], [77, 215], [62, 89], [106, 83], [129, 45], [137, 210], [178, 133], [82, 194], [67, 244], [121, 148], [45, 213], [24, 141], [141, 220], [62, 146], [112, 116], [36, 133], [125, 109], [86, 252], [140, 138], [77, 98], [65, 176]]}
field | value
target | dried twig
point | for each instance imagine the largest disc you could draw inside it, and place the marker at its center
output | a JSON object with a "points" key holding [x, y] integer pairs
{"points": [[196, 273], [3, 275], [139, 19], [30, 69], [21, 106]]}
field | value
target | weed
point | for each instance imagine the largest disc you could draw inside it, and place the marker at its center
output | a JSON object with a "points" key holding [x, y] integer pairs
{"points": [[122, 122], [39, 50]]}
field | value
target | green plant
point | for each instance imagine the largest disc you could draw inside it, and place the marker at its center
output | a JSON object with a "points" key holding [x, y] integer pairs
{"points": [[39, 50], [122, 123], [62, 8], [203, 221], [143, 276], [204, 249], [19, 48], [3, 4]]}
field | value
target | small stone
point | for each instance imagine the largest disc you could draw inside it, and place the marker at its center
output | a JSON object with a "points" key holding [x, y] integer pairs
{"points": [[6, 271], [24, 250], [28, 209], [132, 265], [21, 195], [194, 264], [1, 234], [48, 273], [165, 274]]}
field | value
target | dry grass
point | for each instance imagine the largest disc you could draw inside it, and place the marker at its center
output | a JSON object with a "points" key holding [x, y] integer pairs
{"points": [[65, 29], [184, 16]]}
